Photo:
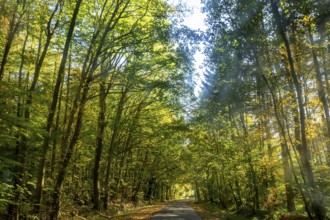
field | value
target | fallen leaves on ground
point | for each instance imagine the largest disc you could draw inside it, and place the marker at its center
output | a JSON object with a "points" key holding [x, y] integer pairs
{"points": [[204, 211], [142, 213]]}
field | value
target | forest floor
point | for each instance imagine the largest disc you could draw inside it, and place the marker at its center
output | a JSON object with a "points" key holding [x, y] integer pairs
{"points": [[124, 212], [175, 209], [141, 213], [213, 212], [157, 211]]}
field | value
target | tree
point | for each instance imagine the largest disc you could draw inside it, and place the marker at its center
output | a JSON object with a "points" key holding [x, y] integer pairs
{"points": [[62, 56], [51, 114], [253, 80]]}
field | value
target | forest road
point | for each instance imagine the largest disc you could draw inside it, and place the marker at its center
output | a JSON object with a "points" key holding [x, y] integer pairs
{"points": [[179, 210]]}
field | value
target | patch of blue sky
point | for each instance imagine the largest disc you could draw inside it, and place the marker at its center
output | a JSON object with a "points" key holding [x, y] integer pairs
{"points": [[196, 21]]}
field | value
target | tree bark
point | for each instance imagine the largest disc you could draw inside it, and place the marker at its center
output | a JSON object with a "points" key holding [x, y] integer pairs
{"points": [[23, 145], [127, 143], [99, 142], [20, 73], [316, 205], [79, 103], [51, 114], [287, 167], [64, 166], [14, 24], [115, 131], [290, 205], [321, 92]]}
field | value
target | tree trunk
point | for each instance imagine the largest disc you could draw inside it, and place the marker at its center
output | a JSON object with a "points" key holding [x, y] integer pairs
{"points": [[56, 129], [20, 73], [64, 166], [316, 203], [79, 102], [287, 180], [115, 131], [321, 92], [127, 143], [140, 178], [14, 24], [23, 146], [51, 114], [287, 168], [99, 142]]}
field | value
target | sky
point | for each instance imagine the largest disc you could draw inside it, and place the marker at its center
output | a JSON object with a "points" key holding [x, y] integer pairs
{"points": [[195, 21]]}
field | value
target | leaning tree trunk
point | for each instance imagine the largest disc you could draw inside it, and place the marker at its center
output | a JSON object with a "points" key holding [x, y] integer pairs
{"points": [[51, 114], [79, 103], [127, 144], [20, 72], [14, 24], [287, 167], [321, 92], [316, 204], [115, 131], [23, 145], [66, 161]]}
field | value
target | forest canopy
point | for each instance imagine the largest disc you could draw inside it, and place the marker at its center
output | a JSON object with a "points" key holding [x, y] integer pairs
{"points": [[97, 106]]}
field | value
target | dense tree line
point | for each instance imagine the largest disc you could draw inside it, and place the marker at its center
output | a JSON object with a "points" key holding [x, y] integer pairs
{"points": [[90, 110], [261, 132], [95, 95]]}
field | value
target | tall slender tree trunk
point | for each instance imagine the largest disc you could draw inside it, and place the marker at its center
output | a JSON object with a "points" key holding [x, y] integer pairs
{"points": [[287, 167], [99, 142], [288, 180], [23, 145], [13, 210], [51, 114], [20, 73], [327, 74], [321, 91], [127, 144], [316, 204], [14, 24], [115, 131], [139, 178], [79, 103], [67, 158], [55, 140]]}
